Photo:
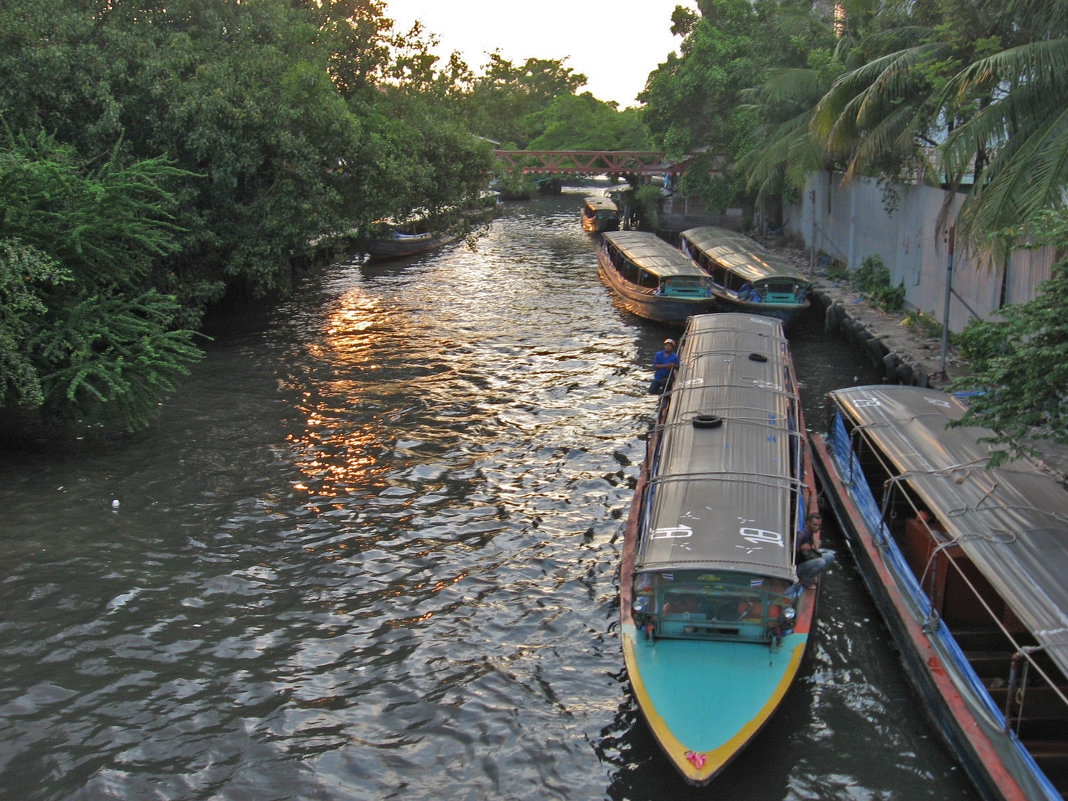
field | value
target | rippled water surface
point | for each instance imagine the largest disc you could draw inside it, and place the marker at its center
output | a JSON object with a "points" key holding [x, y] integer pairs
{"points": [[370, 551]]}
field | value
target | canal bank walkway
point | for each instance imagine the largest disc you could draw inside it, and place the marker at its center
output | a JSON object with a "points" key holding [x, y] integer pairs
{"points": [[895, 343], [902, 349]]}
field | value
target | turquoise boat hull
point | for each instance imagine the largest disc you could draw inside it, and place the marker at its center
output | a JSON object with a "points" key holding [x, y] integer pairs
{"points": [[706, 700]]}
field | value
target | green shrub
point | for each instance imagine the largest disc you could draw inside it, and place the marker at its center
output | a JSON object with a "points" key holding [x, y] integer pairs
{"points": [[872, 279]]}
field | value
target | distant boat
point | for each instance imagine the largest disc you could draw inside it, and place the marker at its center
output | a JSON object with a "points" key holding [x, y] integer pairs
{"points": [[652, 279], [969, 568], [714, 623], [599, 214], [748, 277], [423, 230]]}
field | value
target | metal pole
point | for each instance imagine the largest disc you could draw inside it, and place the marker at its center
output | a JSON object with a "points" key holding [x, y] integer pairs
{"points": [[812, 238], [945, 309]]}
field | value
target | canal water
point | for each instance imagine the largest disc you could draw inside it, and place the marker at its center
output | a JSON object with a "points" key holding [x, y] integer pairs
{"points": [[370, 551]]}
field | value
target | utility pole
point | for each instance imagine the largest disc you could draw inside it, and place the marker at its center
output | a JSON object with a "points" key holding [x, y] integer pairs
{"points": [[945, 308]]}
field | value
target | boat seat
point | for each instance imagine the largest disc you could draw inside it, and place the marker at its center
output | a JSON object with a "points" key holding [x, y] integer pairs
{"points": [[987, 639]]}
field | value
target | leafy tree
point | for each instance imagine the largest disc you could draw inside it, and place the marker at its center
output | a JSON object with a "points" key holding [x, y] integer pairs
{"points": [[582, 122], [1018, 361], [290, 120], [26, 276], [500, 102], [81, 332], [692, 100], [739, 84], [784, 151]]}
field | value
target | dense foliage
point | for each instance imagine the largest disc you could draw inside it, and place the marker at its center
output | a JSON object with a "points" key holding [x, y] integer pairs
{"points": [[159, 156], [968, 94], [1018, 361], [715, 100], [82, 331], [193, 148]]}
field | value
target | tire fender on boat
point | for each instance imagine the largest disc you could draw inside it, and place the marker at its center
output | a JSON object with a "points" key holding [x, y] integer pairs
{"points": [[706, 420]]}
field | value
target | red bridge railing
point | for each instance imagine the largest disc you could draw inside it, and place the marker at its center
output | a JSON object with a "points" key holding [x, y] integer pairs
{"points": [[589, 162]]}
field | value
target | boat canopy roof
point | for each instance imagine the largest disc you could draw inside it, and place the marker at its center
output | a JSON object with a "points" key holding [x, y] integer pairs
{"points": [[598, 203], [740, 254], [723, 496], [652, 254], [1012, 521]]}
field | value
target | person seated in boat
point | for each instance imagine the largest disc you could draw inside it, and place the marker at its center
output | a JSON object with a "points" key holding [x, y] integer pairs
{"points": [[681, 605], [664, 363], [812, 557], [749, 293]]}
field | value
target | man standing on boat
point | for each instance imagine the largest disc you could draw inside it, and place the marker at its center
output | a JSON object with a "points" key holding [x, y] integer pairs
{"points": [[664, 363]]}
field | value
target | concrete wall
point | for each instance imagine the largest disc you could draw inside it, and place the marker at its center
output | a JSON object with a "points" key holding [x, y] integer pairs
{"points": [[849, 222]]}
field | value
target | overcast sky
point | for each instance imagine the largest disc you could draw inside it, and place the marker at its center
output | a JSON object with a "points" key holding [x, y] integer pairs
{"points": [[616, 45]]}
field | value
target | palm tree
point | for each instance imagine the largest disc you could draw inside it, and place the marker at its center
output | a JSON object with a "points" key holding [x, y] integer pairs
{"points": [[1022, 134], [981, 97], [786, 150]]}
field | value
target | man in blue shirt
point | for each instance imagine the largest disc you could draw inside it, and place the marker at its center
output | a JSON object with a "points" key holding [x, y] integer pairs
{"points": [[664, 363]]}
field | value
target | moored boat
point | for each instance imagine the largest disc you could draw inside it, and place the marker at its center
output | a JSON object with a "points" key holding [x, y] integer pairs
{"points": [[393, 239], [967, 565], [599, 214], [714, 622], [652, 279], [747, 276], [422, 230]]}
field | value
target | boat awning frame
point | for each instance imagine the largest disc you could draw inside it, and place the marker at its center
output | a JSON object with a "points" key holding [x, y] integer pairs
{"points": [[741, 255], [1011, 521]]}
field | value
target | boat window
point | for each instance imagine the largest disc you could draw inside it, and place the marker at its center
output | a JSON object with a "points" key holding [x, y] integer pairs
{"points": [[686, 287], [781, 291], [701, 605], [646, 279]]}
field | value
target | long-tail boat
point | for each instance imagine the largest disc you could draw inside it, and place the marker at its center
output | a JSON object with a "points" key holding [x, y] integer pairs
{"points": [[714, 621], [968, 566]]}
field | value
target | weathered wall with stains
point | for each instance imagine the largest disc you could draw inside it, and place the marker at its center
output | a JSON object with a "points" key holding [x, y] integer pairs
{"points": [[852, 221]]}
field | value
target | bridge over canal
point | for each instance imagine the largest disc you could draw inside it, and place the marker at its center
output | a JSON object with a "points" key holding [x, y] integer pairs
{"points": [[591, 162]]}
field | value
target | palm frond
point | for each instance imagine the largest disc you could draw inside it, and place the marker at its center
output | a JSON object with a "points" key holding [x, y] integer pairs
{"points": [[1021, 181], [1037, 64]]}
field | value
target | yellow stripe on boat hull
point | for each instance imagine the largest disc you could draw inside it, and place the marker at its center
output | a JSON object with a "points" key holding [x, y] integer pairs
{"points": [[698, 767]]}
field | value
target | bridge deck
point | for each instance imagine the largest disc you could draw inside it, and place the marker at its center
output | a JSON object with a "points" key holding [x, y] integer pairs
{"points": [[590, 162]]}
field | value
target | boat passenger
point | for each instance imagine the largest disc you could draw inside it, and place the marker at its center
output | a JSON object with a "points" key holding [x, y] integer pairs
{"points": [[812, 559], [664, 363], [686, 605]]}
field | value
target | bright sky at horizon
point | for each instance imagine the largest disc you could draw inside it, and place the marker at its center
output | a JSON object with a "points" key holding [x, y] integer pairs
{"points": [[616, 50]]}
